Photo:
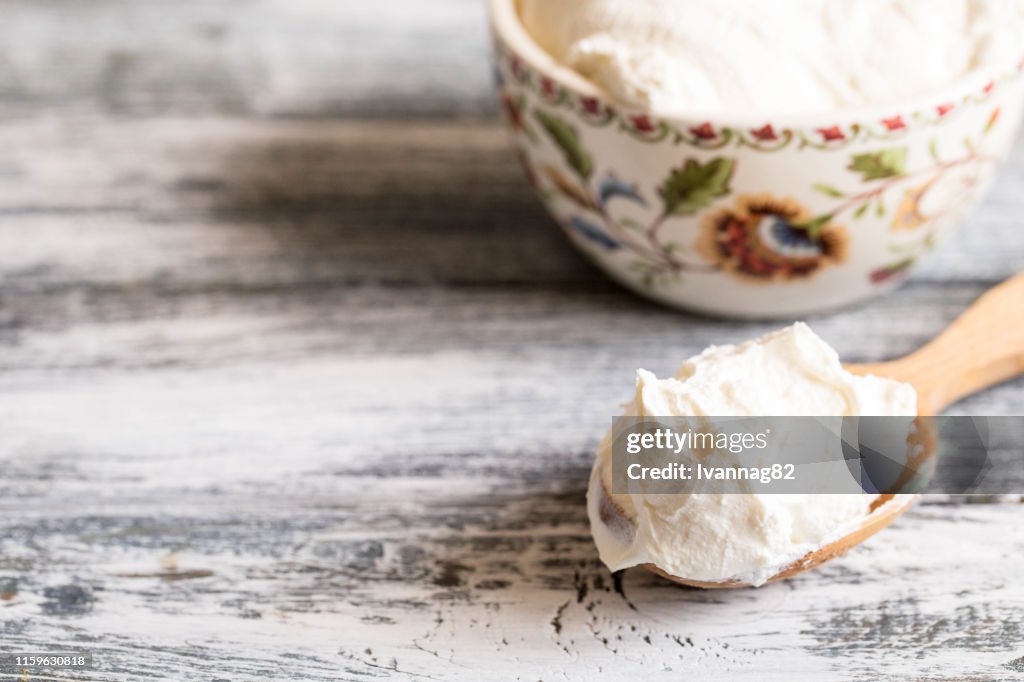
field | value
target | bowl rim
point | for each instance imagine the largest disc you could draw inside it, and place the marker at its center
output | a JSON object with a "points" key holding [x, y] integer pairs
{"points": [[507, 28]]}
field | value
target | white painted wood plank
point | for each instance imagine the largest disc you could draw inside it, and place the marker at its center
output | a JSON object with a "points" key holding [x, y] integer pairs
{"points": [[316, 400], [503, 585], [279, 57]]}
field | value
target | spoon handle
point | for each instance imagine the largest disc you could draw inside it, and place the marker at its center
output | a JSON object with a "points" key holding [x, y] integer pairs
{"points": [[982, 348]]}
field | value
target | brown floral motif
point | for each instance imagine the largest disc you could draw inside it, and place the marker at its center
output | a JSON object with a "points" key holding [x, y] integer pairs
{"points": [[770, 239], [513, 109], [568, 188], [531, 174], [908, 215]]}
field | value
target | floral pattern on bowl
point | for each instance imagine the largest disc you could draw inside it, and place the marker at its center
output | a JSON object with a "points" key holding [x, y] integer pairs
{"points": [[766, 221]]}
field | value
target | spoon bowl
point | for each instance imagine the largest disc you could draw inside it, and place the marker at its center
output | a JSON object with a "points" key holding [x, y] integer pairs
{"points": [[982, 348]]}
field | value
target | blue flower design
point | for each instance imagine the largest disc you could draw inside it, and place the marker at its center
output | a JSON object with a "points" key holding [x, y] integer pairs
{"points": [[612, 187], [593, 233]]}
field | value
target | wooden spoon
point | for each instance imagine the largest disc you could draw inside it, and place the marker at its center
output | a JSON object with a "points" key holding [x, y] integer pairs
{"points": [[982, 348]]}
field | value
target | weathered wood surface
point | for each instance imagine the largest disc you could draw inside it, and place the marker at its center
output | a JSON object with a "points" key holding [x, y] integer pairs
{"points": [[268, 57], [315, 400]]}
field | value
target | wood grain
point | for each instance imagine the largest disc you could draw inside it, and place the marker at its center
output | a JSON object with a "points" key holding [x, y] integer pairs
{"points": [[983, 347], [317, 400], [344, 583], [266, 57]]}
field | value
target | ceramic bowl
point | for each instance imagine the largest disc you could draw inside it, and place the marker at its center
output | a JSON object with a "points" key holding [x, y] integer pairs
{"points": [[746, 216]]}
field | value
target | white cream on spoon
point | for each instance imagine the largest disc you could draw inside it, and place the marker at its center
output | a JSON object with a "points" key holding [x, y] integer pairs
{"points": [[744, 538]]}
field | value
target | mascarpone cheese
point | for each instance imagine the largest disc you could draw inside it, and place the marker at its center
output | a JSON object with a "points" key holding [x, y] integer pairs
{"points": [[747, 537], [777, 56]]}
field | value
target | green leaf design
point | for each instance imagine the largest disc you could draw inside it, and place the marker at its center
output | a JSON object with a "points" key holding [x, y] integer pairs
{"points": [[859, 213], [887, 163], [933, 149], [568, 140], [829, 190], [695, 185], [815, 226]]}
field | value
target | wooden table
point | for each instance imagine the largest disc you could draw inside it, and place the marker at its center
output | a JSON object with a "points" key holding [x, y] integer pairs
{"points": [[315, 397]]}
